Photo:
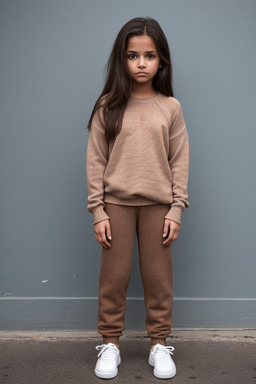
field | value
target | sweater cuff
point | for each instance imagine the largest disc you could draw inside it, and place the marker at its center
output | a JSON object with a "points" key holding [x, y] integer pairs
{"points": [[99, 214], [174, 214]]}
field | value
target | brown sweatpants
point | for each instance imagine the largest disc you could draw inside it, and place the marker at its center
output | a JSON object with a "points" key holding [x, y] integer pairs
{"points": [[155, 267]]}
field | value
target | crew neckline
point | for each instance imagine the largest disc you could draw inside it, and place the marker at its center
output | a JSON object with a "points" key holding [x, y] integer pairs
{"points": [[144, 99]]}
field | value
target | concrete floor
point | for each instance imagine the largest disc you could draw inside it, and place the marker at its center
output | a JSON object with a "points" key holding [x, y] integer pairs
{"points": [[213, 356]]}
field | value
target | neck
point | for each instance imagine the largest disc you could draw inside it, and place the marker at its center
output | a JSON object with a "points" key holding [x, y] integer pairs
{"points": [[143, 91]]}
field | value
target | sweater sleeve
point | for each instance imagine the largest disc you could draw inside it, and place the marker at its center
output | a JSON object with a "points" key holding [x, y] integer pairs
{"points": [[96, 162], [179, 164]]}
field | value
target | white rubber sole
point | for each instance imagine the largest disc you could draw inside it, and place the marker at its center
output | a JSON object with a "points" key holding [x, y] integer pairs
{"points": [[159, 375], [108, 375]]}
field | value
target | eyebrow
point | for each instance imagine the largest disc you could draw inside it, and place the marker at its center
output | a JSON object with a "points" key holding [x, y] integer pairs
{"points": [[145, 52]]}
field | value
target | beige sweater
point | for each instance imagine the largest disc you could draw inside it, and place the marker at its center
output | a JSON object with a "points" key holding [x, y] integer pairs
{"points": [[147, 163]]}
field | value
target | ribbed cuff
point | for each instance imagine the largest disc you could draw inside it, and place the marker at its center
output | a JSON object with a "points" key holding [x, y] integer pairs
{"points": [[99, 214], [174, 214]]}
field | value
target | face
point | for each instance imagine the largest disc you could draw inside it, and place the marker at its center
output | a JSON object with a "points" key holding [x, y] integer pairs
{"points": [[143, 60]]}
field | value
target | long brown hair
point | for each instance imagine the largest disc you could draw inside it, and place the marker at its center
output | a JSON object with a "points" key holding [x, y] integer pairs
{"points": [[118, 84]]}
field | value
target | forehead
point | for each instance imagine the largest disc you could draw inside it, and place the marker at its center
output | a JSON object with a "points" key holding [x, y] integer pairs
{"points": [[141, 44]]}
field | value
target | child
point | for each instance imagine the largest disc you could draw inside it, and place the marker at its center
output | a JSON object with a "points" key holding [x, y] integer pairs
{"points": [[137, 173]]}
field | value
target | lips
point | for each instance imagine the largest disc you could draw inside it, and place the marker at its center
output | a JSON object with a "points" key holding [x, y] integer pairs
{"points": [[141, 73]]}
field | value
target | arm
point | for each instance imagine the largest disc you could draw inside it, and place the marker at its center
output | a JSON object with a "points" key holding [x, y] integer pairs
{"points": [[96, 162], [179, 165]]}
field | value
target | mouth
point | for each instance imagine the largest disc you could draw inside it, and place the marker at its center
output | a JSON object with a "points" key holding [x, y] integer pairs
{"points": [[141, 73]]}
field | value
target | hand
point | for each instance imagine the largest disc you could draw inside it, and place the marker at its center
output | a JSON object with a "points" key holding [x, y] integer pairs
{"points": [[171, 231], [103, 233]]}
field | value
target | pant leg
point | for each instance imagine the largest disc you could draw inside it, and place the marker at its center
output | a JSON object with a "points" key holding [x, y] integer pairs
{"points": [[156, 270], [116, 266]]}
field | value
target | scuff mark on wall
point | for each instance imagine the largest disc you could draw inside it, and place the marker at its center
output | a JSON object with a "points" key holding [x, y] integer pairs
{"points": [[8, 294]]}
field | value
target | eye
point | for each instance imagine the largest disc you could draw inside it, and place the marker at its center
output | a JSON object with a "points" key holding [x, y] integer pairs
{"points": [[132, 56], [150, 56]]}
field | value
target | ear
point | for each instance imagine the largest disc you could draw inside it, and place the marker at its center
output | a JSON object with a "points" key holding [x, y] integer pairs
{"points": [[160, 66]]}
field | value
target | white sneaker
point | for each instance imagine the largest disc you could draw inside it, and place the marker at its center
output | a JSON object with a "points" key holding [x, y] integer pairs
{"points": [[160, 359], [108, 361]]}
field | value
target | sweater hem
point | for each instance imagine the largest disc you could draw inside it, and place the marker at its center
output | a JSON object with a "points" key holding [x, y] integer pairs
{"points": [[137, 201]]}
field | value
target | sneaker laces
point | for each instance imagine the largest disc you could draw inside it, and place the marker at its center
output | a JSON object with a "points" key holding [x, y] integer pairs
{"points": [[107, 349], [163, 351]]}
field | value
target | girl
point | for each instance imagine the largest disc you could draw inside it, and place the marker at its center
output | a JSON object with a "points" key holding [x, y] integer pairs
{"points": [[137, 173]]}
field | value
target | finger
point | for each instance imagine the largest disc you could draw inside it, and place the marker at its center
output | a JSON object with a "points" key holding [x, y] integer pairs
{"points": [[166, 228], [105, 243], [173, 236], [170, 237], [108, 231], [100, 237], [103, 240]]}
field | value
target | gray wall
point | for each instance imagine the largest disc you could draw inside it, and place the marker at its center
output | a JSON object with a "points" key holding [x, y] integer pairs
{"points": [[53, 55]]}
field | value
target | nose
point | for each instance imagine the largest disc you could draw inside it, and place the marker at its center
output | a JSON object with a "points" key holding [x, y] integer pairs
{"points": [[141, 63]]}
